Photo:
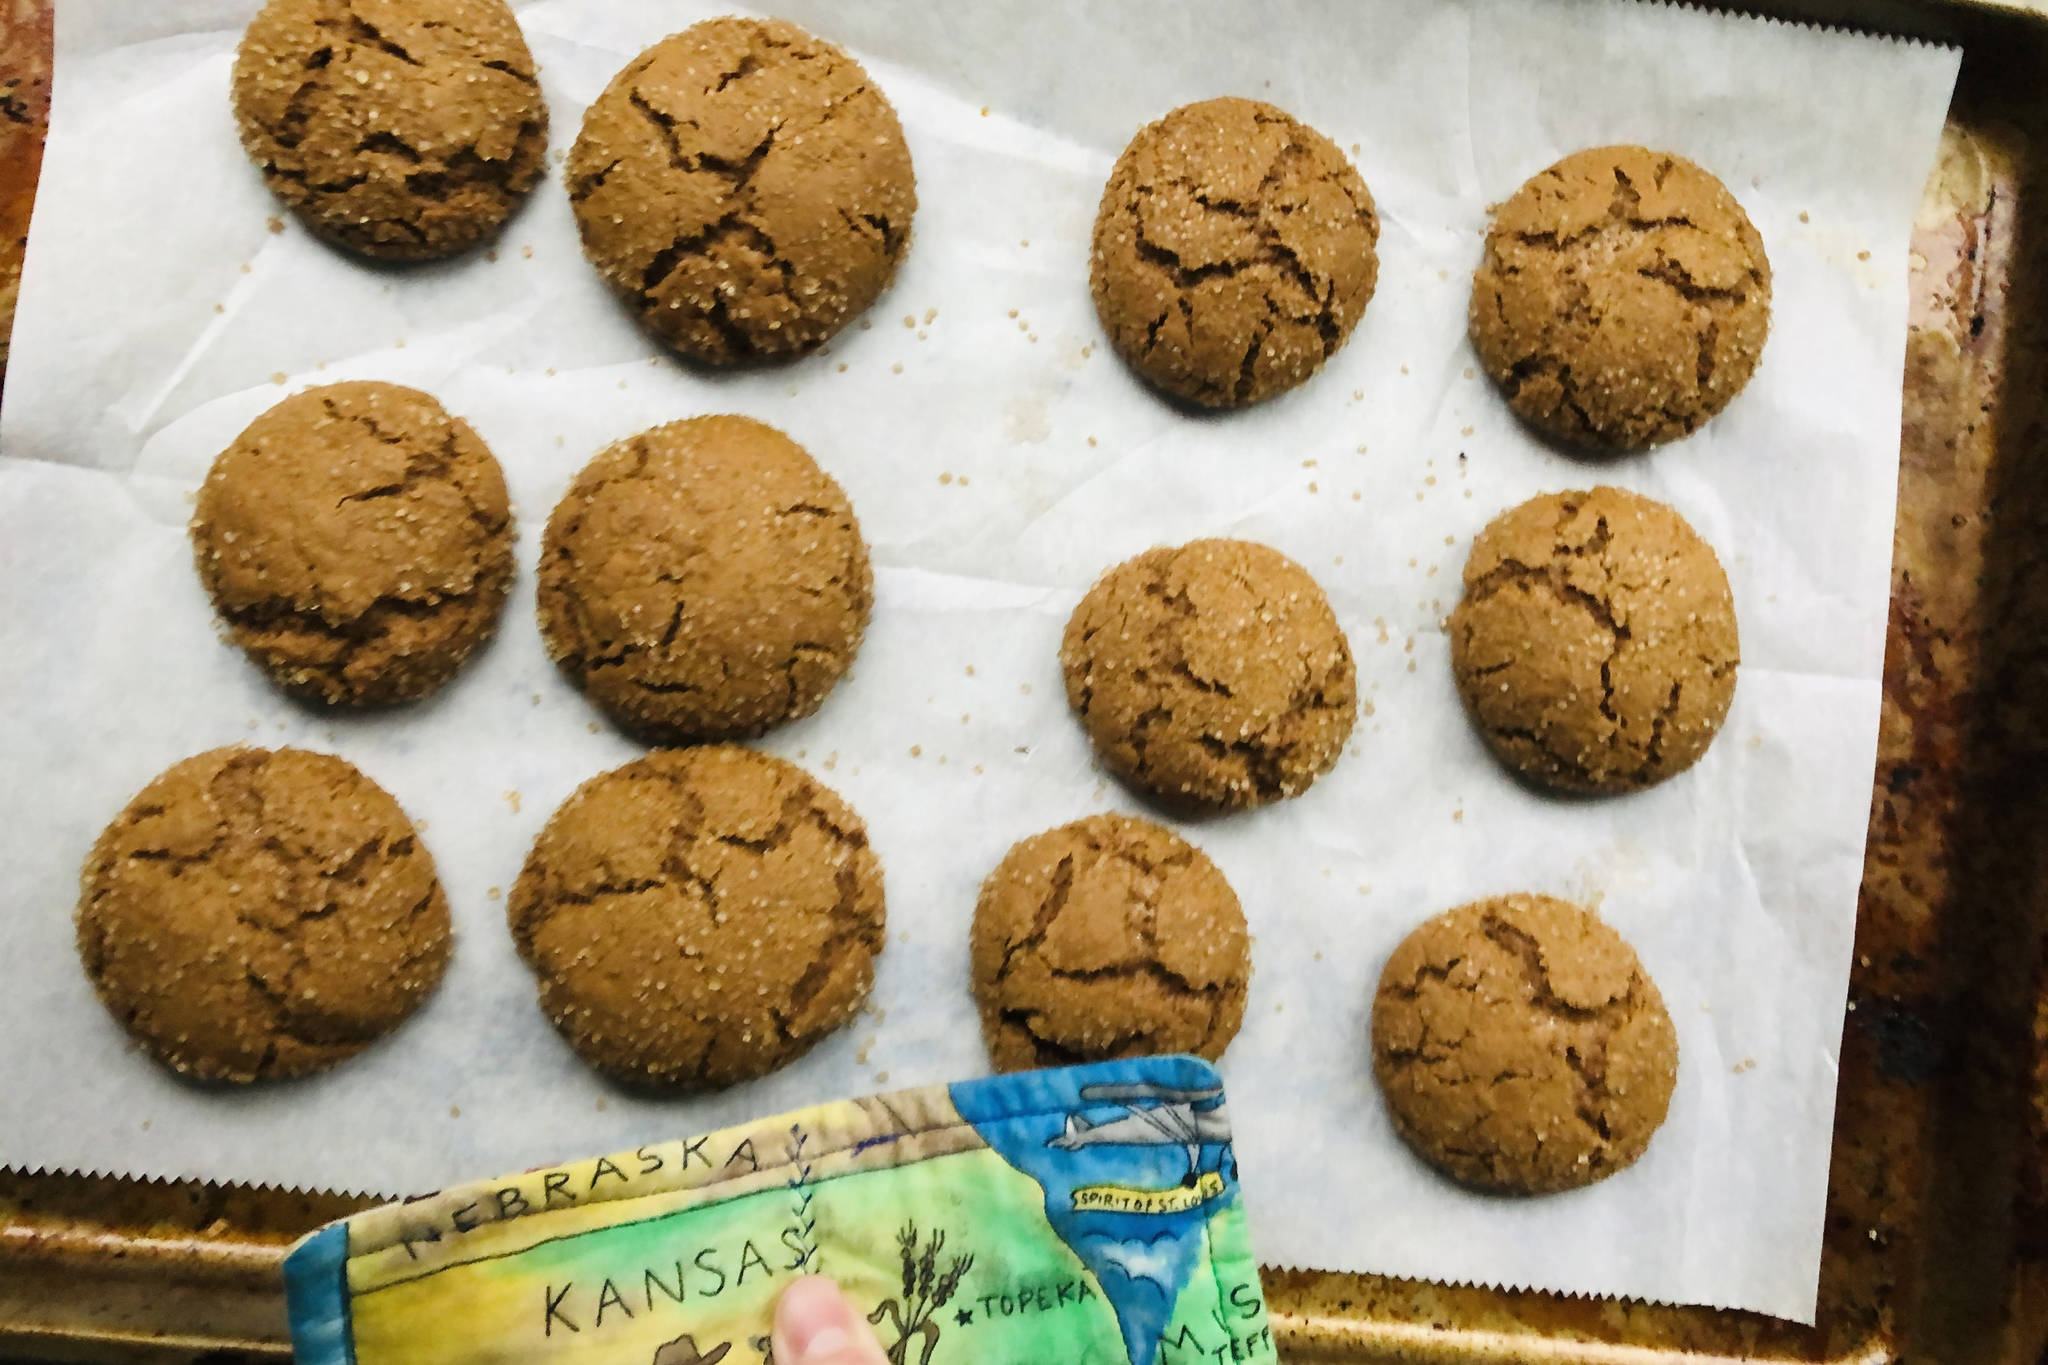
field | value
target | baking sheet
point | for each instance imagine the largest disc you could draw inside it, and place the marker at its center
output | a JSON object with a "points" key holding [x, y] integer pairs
{"points": [[996, 471]]}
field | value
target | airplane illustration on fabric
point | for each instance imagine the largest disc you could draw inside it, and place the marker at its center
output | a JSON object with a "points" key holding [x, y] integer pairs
{"points": [[1155, 1116]]}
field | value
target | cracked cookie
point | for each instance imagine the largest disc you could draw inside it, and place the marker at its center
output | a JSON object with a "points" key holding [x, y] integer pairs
{"points": [[1595, 645], [257, 913], [1623, 300], [1108, 937], [1212, 674], [356, 540], [1234, 251], [1520, 1046], [405, 130], [700, 917], [745, 188], [704, 580]]}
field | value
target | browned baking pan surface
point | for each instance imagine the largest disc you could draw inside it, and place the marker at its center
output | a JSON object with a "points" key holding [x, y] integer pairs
{"points": [[1937, 1235]]}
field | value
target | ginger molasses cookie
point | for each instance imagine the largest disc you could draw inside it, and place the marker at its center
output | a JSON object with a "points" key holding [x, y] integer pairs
{"points": [[1234, 251], [745, 188], [700, 917], [256, 913], [1623, 300], [357, 543], [1595, 646], [1211, 674], [405, 130], [1108, 937], [704, 580], [1521, 1047]]}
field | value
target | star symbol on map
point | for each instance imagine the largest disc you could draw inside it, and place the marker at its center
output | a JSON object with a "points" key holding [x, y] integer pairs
{"points": [[964, 1317]]}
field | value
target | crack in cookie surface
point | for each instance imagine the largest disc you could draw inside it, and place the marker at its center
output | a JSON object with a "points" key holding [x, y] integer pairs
{"points": [[1234, 251], [1623, 300], [402, 133], [357, 542], [1108, 937], [1212, 674], [700, 916], [704, 580], [256, 913], [1595, 645], [744, 188], [1521, 1047]]}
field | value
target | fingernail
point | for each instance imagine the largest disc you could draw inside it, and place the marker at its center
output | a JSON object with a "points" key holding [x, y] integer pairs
{"points": [[815, 1317], [829, 1343]]}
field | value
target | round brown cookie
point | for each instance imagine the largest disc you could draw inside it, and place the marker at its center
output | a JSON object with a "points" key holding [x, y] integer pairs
{"points": [[704, 580], [745, 188], [1623, 300], [1109, 937], [357, 542], [1521, 1047], [700, 917], [406, 130], [1234, 252], [1211, 674], [256, 913], [1595, 645]]}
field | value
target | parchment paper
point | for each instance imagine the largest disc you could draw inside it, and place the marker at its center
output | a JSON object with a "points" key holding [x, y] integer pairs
{"points": [[999, 458]]}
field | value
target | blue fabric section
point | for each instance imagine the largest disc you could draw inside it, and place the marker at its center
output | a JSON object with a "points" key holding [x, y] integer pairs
{"points": [[316, 1297], [1150, 1123]]}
